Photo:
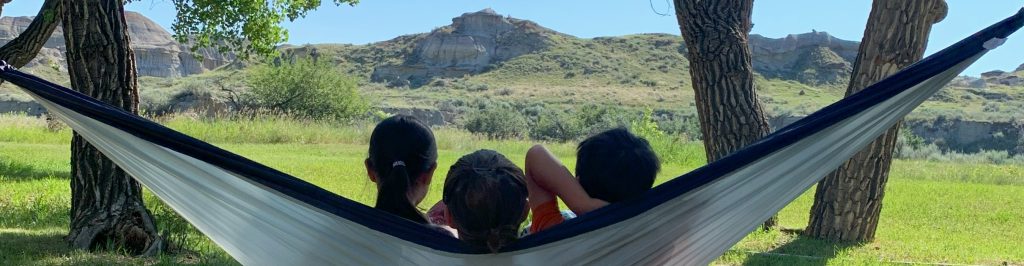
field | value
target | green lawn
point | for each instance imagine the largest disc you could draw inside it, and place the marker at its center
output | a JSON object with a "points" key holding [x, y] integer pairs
{"points": [[934, 212]]}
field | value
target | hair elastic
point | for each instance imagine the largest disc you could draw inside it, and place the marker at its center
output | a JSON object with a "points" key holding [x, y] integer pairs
{"points": [[397, 163]]}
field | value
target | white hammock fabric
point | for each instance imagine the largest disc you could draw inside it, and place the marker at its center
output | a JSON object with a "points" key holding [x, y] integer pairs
{"points": [[261, 216]]}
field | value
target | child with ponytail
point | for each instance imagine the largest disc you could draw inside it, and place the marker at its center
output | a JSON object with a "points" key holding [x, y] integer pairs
{"points": [[401, 161]]}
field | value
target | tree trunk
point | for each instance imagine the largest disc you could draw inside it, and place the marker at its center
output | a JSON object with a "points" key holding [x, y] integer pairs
{"points": [[25, 47], [106, 204], [848, 201], [730, 115]]}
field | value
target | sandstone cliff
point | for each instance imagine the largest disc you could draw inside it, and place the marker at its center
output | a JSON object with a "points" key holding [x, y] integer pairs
{"points": [[812, 58], [156, 51], [1003, 77], [468, 46]]}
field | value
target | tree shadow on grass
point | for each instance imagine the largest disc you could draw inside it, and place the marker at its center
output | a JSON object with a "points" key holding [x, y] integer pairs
{"points": [[802, 250], [16, 171], [20, 247]]}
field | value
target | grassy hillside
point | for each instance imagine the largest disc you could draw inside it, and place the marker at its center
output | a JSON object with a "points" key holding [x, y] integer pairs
{"points": [[635, 71]]}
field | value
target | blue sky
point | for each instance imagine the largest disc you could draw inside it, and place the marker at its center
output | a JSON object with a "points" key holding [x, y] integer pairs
{"points": [[376, 20]]}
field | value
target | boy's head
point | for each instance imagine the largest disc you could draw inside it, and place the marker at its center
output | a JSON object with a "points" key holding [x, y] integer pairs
{"points": [[616, 165]]}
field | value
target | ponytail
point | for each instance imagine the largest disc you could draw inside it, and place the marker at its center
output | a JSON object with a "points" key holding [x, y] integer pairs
{"points": [[493, 239], [401, 151], [392, 194]]}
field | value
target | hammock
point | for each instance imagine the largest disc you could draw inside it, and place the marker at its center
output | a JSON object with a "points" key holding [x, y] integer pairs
{"points": [[261, 216]]}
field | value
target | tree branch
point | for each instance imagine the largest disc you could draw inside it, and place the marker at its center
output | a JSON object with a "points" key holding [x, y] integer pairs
{"points": [[2, 3], [26, 46]]}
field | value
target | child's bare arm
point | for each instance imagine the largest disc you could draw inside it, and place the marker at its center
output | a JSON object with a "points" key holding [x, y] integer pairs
{"points": [[536, 194], [546, 175]]}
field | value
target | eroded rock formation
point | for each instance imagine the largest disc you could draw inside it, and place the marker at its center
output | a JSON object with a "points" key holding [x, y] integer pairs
{"points": [[469, 45], [812, 58], [1003, 77]]}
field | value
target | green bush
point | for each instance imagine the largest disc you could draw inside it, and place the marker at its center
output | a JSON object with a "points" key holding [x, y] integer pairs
{"points": [[558, 123], [907, 141], [307, 89], [671, 148], [467, 86], [646, 126], [557, 126], [496, 122], [597, 118], [932, 152], [686, 126]]}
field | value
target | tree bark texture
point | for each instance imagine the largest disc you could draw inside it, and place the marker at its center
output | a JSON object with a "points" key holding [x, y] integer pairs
{"points": [[847, 203], [26, 46], [106, 204], [730, 114]]}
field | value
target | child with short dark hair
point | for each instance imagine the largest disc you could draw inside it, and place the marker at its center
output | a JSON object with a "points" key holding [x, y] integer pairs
{"points": [[485, 196], [611, 166]]}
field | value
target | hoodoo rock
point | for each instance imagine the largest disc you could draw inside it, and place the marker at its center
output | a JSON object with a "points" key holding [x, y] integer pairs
{"points": [[468, 46]]}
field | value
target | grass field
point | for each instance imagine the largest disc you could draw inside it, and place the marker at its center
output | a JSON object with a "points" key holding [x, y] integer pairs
{"points": [[934, 212]]}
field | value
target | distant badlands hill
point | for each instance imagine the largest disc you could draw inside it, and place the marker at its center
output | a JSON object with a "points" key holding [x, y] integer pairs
{"points": [[483, 41], [520, 60]]}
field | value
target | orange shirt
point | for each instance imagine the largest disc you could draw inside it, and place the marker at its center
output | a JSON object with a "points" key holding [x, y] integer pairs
{"points": [[545, 216]]}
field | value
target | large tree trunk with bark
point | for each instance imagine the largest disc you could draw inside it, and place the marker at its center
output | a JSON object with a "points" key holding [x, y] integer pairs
{"points": [[730, 115], [106, 204], [26, 46], [848, 201]]}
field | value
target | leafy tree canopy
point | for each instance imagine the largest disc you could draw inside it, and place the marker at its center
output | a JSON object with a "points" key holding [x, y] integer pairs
{"points": [[244, 27]]}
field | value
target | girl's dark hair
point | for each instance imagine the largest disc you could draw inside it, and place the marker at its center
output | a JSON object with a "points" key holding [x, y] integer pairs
{"points": [[401, 149], [486, 196]]}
